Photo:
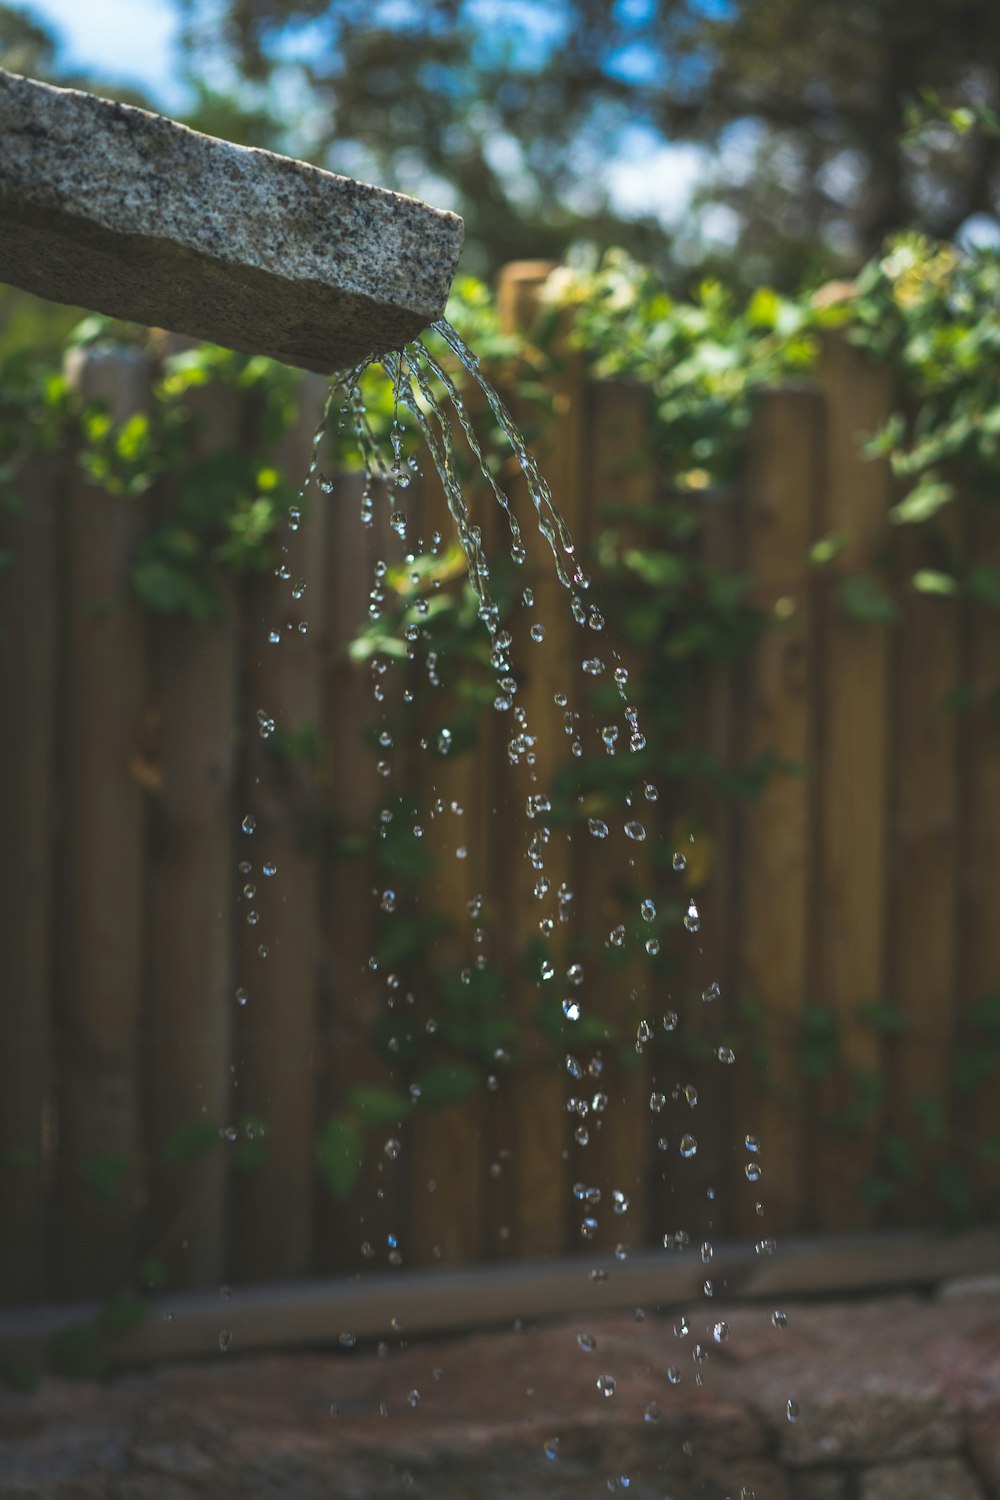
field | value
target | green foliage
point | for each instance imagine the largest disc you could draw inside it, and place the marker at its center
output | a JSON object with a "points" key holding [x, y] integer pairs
{"points": [[107, 1175], [339, 1152], [927, 310], [825, 124], [190, 1141]]}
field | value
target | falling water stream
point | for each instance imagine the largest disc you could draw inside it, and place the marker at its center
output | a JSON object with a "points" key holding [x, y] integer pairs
{"points": [[427, 396]]}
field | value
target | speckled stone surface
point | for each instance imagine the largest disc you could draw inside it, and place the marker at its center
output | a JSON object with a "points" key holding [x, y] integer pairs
{"points": [[898, 1399], [125, 212]]}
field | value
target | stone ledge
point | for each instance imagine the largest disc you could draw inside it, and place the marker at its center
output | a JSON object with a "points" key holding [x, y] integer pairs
{"points": [[128, 213], [470, 1418]]}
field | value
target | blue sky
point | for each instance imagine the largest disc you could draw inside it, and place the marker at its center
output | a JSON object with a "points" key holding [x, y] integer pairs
{"points": [[128, 41]]}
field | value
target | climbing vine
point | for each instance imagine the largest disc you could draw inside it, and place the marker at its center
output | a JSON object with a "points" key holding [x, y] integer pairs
{"points": [[928, 310]]}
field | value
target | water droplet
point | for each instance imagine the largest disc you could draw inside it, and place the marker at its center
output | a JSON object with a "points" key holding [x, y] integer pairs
{"points": [[752, 1143], [587, 1342], [294, 518], [571, 1010], [607, 1385], [657, 1102], [692, 921], [673, 1375], [653, 1414], [241, 996], [726, 1055], [635, 831], [388, 902], [392, 1149], [249, 824], [595, 619], [398, 523], [792, 1410], [678, 861], [720, 1332], [753, 1171], [651, 792], [269, 867], [413, 1397], [444, 741], [551, 1448], [598, 828], [537, 633], [620, 1201], [688, 1146], [711, 992], [253, 917], [648, 910], [779, 1319], [348, 1340], [225, 1339]]}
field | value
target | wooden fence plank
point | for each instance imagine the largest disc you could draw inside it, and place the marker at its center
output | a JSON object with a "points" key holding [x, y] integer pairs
{"points": [[448, 1171], [102, 859], [535, 1095], [775, 877], [29, 661], [193, 886], [356, 1227], [617, 1156], [924, 915], [275, 1046], [714, 958], [850, 964], [977, 1121]]}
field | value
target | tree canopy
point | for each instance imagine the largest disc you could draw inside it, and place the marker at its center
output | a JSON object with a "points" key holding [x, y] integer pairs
{"points": [[517, 113]]}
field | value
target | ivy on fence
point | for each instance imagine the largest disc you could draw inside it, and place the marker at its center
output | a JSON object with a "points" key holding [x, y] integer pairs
{"points": [[929, 310]]}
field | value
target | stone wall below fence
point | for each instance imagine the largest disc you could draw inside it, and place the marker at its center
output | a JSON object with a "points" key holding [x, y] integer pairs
{"points": [[898, 1399]]}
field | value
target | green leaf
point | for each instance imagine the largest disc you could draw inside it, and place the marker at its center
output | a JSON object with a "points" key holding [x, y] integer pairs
{"points": [[926, 498], [191, 1141], [339, 1152], [379, 1106], [828, 549], [448, 1083], [107, 1174], [865, 598], [983, 584], [929, 581]]}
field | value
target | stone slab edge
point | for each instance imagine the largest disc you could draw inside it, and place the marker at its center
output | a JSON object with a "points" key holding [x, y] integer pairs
{"points": [[128, 213], [304, 1313]]}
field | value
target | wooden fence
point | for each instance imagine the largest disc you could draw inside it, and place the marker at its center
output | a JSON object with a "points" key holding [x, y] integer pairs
{"points": [[131, 757]]}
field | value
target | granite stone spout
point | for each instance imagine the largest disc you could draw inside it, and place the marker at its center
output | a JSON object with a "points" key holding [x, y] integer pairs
{"points": [[128, 213]]}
